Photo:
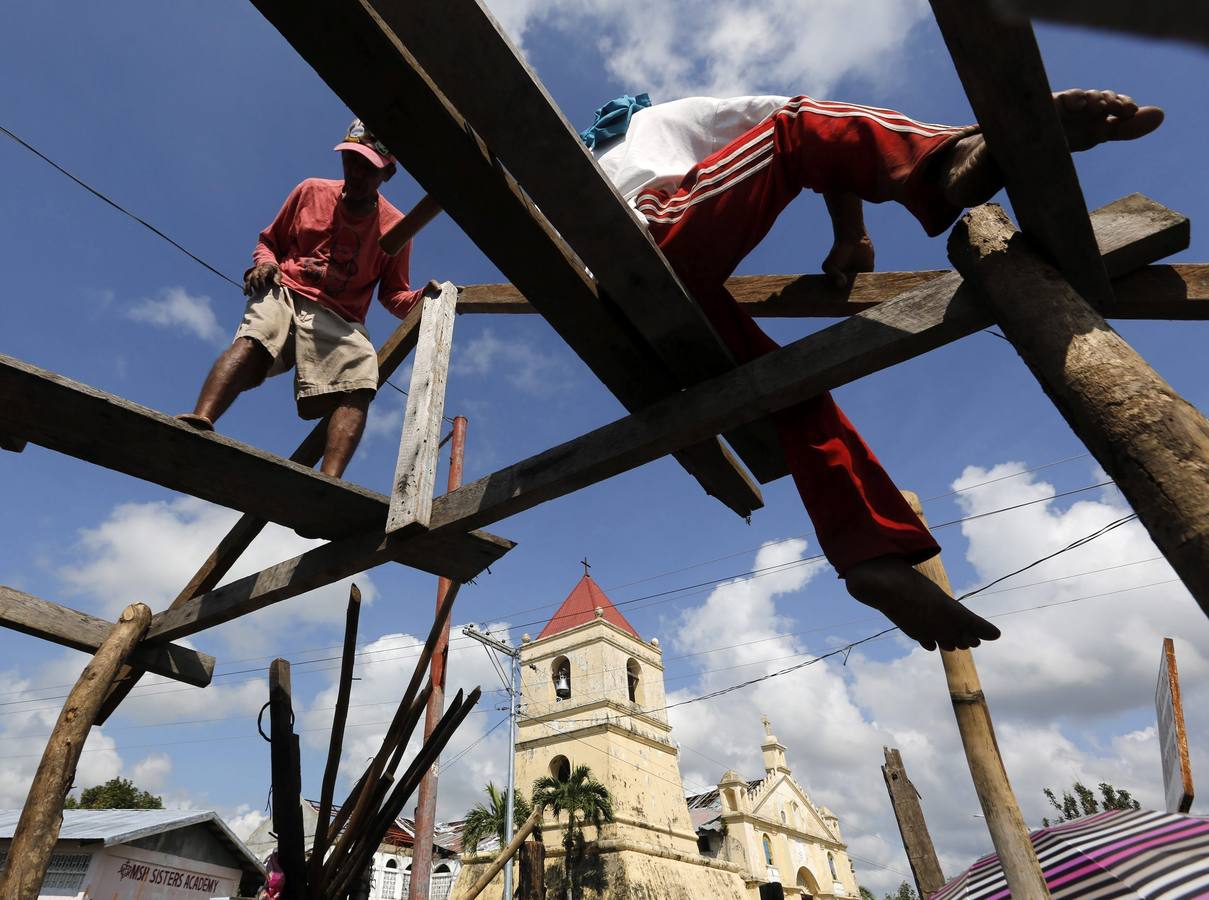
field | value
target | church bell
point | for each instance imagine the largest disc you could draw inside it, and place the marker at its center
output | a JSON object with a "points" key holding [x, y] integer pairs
{"points": [[562, 687]]}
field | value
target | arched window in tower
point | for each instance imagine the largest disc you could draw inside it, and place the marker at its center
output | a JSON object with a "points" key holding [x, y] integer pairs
{"points": [[560, 674], [831, 864], [768, 850], [633, 674], [560, 768]]}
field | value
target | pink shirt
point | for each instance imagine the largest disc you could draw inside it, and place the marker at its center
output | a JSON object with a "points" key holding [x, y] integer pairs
{"points": [[332, 258]]}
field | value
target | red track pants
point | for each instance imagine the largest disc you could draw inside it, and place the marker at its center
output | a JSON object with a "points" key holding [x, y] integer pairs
{"points": [[725, 206]]}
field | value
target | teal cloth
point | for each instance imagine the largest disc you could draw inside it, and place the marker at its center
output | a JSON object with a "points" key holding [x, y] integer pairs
{"points": [[613, 119]]}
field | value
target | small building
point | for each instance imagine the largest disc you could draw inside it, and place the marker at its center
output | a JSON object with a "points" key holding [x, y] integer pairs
{"points": [[152, 854], [772, 829]]}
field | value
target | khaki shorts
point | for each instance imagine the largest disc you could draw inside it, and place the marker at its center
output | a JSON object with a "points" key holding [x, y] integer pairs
{"points": [[328, 354]]}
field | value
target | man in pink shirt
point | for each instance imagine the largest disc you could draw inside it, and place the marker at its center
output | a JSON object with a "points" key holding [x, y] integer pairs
{"points": [[312, 278]]}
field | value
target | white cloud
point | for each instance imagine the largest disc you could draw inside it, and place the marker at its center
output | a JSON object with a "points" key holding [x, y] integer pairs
{"points": [[176, 308], [679, 48], [518, 361], [151, 772], [244, 820]]}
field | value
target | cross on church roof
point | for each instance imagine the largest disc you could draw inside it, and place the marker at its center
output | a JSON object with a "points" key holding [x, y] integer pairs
{"points": [[587, 565], [767, 725]]}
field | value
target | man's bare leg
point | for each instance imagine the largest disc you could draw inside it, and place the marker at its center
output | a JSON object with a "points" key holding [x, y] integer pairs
{"points": [[969, 176], [344, 430], [241, 366]]}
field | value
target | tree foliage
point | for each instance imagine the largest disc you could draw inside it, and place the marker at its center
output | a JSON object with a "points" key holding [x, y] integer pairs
{"points": [[904, 892], [116, 793], [867, 894], [585, 801], [489, 818], [1081, 801]]}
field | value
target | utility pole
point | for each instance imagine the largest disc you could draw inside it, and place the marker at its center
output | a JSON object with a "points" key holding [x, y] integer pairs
{"points": [[912, 826], [514, 711], [426, 800]]}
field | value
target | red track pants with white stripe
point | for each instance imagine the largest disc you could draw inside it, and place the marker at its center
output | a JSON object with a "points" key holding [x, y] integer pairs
{"points": [[723, 208]]}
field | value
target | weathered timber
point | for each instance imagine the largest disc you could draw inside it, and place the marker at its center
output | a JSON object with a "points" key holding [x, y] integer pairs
{"points": [[425, 210], [1004, 78], [505, 856], [416, 467], [12, 444], [917, 841], [78, 420], [336, 741], [37, 831], [532, 865], [1177, 292], [941, 311], [1152, 442], [366, 65], [287, 783], [80, 631], [1156, 18], [391, 354], [1005, 822]]}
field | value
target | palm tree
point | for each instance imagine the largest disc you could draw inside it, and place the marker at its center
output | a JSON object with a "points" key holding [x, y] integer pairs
{"points": [[489, 819], [585, 800]]}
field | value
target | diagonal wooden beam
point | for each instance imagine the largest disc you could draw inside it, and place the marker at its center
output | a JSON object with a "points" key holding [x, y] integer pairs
{"points": [[51, 622], [78, 420], [1004, 77], [1173, 19], [367, 66]]}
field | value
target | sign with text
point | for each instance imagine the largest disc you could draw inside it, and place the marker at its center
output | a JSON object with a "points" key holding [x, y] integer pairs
{"points": [[1173, 740], [149, 875]]}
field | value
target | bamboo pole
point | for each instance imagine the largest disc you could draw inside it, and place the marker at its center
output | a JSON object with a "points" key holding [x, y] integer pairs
{"points": [[42, 816], [1009, 833], [505, 855]]}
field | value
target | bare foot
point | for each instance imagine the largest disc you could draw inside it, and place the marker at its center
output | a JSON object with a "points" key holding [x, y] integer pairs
{"points": [[970, 176], [915, 604], [201, 423]]}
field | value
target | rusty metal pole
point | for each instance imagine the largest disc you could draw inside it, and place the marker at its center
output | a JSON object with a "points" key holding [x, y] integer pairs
{"points": [[426, 802]]}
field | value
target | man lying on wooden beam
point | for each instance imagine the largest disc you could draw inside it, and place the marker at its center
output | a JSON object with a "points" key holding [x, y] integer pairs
{"points": [[313, 273], [709, 177]]}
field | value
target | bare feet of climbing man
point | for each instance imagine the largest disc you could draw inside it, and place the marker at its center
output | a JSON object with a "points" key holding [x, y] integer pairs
{"points": [[915, 604], [971, 177]]}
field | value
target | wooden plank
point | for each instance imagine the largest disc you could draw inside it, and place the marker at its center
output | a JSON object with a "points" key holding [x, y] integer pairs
{"points": [[287, 783], [416, 467], [941, 311], [11, 444], [917, 841], [37, 832], [365, 64], [529, 133], [1152, 442], [80, 631], [1173, 19], [1001, 69], [78, 420]]}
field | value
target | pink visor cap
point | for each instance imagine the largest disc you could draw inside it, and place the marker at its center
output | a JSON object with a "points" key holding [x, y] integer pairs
{"points": [[360, 140]]}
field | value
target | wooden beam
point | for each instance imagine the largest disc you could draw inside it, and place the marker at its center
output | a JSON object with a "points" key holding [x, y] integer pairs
{"points": [[37, 831], [540, 147], [1177, 292], [505, 856], [1004, 77], [81, 421], [1152, 442], [416, 467], [11, 444], [287, 783], [80, 631], [1157, 18], [912, 825], [367, 66]]}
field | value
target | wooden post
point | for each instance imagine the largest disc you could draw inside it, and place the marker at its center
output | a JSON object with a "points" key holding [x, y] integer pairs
{"points": [[287, 783], [533, 871], [1009, 833], [416, 469], [911, 825], [506, 855], [1152, 442], [425, 210], [38, 828]]}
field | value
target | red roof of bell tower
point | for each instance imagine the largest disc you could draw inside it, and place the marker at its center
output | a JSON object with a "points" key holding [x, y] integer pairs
{"points": [[580, 608]]}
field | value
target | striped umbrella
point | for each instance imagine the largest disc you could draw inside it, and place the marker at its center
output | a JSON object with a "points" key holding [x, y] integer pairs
{"points": [[1111, 855]]}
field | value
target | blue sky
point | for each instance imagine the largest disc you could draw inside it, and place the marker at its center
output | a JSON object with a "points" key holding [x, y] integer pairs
{"points": [[199, 117]]}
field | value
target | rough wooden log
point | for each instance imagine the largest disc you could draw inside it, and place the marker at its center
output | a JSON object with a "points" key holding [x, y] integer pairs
{"points": [[1152, 442], [1157, 18], [365, 64], [287, 783], [1004, 77], [505, 855], [425, 210], [80, 631], [917, 841], [1005, 822], [416, 467], [533, 871], [38, 828]]}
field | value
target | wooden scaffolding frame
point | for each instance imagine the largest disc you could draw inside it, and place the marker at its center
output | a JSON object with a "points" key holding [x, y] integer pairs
{"points": [[503, 161]]}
